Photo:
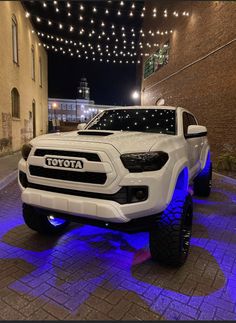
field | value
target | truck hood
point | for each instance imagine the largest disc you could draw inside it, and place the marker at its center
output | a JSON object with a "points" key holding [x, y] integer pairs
{"points": [[123, 141]]}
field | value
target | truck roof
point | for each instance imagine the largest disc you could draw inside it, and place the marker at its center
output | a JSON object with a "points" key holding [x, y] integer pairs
{"points": [[145, 107]]}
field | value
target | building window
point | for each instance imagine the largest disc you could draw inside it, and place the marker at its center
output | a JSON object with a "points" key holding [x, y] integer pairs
{"points": [[32, 63], [157, 60], [15, 102], [15, 40], [40, 72]]}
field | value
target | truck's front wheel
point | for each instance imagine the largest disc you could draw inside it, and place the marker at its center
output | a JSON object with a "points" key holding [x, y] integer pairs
{"points": [[37, 220], [169, 240]]}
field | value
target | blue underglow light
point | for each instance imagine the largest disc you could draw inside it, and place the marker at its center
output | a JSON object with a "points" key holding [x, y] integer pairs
{"points": [[70, 268]]}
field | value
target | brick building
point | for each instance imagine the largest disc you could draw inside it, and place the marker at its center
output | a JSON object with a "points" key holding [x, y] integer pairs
{"points": [[197, 67]]}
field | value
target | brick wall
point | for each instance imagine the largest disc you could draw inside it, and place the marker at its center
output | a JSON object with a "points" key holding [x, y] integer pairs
{"points": [[201, 72]]}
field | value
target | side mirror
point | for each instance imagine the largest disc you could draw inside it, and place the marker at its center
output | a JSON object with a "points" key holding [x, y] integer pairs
{"points": [[195, 131], [81, 126]]}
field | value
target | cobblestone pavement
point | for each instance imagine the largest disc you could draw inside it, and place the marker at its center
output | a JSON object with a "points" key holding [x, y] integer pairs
{"points": [[92, 273]]}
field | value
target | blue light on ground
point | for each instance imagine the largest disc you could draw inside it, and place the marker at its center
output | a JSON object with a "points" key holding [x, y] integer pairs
{"points": [[86, 258]]}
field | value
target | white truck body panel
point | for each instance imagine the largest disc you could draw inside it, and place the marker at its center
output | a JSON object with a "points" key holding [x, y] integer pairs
{"points": [[190, 154]]}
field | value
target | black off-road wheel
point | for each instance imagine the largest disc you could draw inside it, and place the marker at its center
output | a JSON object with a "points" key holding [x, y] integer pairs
{"points": [[45, 223], [202, 183], [169, 240]]}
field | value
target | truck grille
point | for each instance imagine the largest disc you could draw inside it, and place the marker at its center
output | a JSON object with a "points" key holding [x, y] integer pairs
{"points": [[65, 175], [79, 154]]}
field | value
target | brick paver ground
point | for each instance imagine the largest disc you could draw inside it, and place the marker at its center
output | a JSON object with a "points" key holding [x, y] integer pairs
{"points": [[91, 273]]}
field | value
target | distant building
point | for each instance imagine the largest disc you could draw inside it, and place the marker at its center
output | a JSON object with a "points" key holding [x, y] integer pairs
{"points": [[83, 90], [81, 109], [23, 79]]}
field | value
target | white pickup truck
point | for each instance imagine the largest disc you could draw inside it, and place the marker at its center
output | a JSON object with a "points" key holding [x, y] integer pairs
{"points": [[128, 169]]}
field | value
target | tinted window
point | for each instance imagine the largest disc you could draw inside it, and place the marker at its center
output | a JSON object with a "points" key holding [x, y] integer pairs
{"points": [[192, 120], [188, 120], [185, 122], [143, 120]]}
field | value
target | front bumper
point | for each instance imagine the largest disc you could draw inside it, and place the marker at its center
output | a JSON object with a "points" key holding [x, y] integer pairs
{"points": [[100, 209]]}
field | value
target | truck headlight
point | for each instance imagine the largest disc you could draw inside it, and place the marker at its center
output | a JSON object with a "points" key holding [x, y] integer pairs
{"points": [[144, 162], [25, 150]]}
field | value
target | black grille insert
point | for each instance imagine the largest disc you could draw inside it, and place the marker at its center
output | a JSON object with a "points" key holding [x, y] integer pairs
{"points": [[123, 196], [65, 175], [79, 154]]}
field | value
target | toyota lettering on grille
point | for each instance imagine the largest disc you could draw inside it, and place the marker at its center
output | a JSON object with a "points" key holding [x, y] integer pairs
{"points": [[64, 163]]}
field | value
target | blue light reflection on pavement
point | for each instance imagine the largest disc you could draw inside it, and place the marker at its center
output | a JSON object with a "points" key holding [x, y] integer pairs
{"points": [[122, 261]]}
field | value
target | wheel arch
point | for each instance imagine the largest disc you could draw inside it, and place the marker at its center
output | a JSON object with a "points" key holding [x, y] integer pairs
{"points": [[205, 157], [180, 178]]}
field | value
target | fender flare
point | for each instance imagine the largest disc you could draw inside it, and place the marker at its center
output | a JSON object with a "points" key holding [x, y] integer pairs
{"points": [[180, 169], [204, 160]]}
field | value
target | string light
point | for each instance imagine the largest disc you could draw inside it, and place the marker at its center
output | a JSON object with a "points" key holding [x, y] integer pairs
{"points": [[27, 14], [120, 35]]}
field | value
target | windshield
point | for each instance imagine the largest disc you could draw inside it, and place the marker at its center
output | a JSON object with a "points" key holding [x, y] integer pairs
{"points": [[143, 120]]}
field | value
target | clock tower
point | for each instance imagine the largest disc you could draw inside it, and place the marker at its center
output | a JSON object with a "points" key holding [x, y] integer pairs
{"points": [[83, 91]]}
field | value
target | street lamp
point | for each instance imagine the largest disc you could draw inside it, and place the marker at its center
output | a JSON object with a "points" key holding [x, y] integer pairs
{"points": [[54, 107], [135, 95]]}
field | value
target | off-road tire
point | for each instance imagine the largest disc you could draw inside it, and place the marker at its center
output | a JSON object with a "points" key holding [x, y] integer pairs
{"points": [[37, 220], [202, 183], [169, 240]]}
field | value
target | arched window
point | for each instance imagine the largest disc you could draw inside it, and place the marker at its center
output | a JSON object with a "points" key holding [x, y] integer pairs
{"points": [[15, 103], [32, 63], [15, 40], [40, 72]]}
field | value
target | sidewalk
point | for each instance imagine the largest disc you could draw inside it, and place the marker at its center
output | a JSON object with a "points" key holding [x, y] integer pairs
{"points": [[8, 168]]}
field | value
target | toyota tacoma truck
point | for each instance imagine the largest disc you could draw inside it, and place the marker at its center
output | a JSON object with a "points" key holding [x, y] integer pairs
{"points": [[128, 169]]}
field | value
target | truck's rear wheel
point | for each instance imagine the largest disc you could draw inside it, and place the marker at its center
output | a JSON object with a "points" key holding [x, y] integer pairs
{"points": [[202, 183], [45, 223], [169, 240]]}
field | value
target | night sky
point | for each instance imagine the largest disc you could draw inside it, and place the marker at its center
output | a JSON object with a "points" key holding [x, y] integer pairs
{"points": [[109, 83]]}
